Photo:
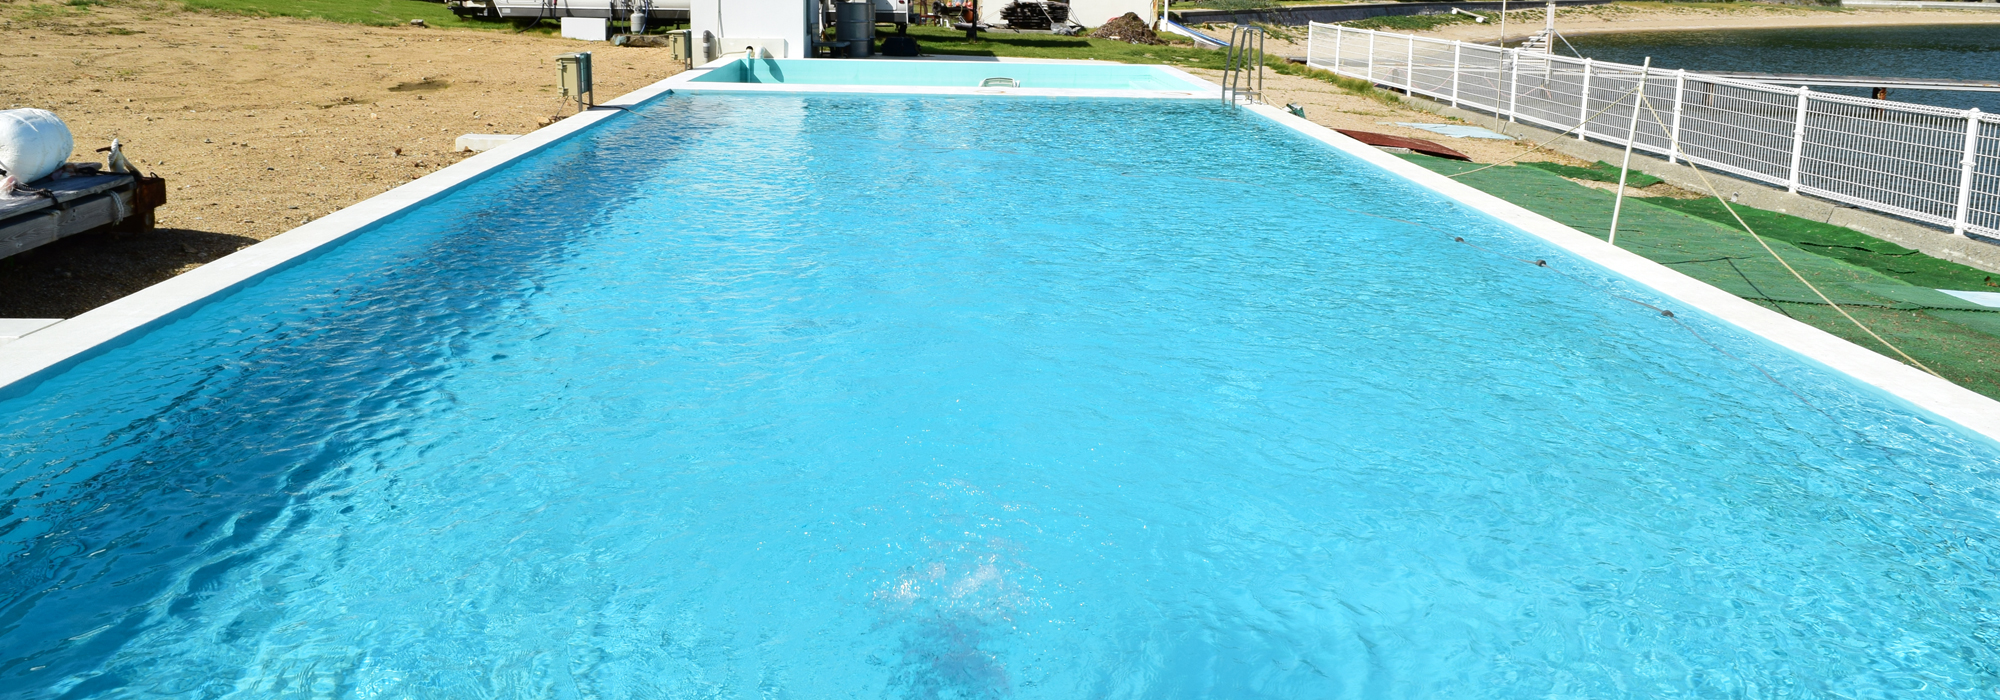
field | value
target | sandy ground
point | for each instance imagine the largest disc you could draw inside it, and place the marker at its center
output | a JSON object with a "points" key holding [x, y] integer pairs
{"points": [[259, 124]]}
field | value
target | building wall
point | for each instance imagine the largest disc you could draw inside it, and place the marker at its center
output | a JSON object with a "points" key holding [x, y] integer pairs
{"points": [[752, 19], [1094, 13]]}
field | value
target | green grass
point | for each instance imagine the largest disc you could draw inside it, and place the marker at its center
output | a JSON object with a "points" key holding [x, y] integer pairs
{"points": [[379, 13], [1410, 23], [1843, 244], [1599, 171]]}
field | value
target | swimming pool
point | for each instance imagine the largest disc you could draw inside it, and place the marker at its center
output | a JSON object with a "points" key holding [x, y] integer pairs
{"points": [[842, 395], [938, 73]]}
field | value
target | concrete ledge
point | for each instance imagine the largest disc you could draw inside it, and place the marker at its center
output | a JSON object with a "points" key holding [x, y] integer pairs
{"points": [[481, 143], [1937, 243], [12, 329]]}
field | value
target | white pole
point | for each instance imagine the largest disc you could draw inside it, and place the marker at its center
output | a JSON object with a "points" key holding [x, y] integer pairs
{"points": [[1503, 25], [1456, 47], [1409, 63], [1631, 136], [1674, 133], [1798, 140], [1582, 100], [1514, 88], [1371, 57], [1964, 217], [1339, 59]]}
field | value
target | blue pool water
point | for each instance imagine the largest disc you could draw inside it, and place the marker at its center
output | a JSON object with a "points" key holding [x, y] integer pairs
{"points": [[832, 396], [967, 74]]}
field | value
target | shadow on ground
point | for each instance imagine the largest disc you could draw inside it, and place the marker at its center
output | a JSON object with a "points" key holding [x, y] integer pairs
{"points": [[82, 272]]}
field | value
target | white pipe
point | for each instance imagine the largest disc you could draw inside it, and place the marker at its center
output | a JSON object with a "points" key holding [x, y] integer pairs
{"points": [[1631, 136]]}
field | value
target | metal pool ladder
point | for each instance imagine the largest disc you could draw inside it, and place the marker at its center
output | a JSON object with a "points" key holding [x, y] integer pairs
{"points": [[1243, 67]]}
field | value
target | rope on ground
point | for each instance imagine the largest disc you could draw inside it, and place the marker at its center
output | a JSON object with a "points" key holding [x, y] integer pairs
{"points": [[1537, 147], [1788, 266]]}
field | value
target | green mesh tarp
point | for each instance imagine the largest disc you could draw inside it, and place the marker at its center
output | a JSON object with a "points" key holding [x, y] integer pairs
{"points": [[1890, 288]]}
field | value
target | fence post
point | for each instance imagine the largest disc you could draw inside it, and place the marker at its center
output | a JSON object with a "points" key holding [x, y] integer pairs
{"points": [[1456, 47], [1674, 132], [1798, 141], [1583, 102], [1409, 64], [1371, 58], [1971, 162], [1514, 87], [1309, 43], [1338, 35]]}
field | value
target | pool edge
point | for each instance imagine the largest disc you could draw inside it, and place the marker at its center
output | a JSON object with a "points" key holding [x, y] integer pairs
{"points": [[28, 361]]}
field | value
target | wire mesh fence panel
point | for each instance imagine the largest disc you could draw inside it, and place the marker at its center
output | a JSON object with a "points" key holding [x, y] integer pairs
{"points": [[1741, 129], [1984, 203], [1431, 69], [1900, 160], [1615, 101], [1548, 90], [1897, 158], [1656, 114], [1392, 60], [1482, 78]]}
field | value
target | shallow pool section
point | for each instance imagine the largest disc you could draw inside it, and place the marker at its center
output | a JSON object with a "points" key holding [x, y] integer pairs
{"points": [[831, 396], [949, 73]]}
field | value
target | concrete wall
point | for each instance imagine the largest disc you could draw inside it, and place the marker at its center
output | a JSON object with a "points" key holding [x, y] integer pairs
{"points": [[1094, 13], [752, 19]]}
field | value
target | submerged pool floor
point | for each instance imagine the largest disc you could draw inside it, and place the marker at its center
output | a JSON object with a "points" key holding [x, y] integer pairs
{"points": [[836, 396]]}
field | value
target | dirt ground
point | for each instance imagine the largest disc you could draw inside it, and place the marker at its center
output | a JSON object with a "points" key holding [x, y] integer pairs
{"points": [[259, 124]]}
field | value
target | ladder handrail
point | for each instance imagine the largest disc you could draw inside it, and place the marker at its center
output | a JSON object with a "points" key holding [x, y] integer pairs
{"points": [[1243, 66]]}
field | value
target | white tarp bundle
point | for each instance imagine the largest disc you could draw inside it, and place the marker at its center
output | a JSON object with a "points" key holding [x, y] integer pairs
{"points": [[33, 144]]}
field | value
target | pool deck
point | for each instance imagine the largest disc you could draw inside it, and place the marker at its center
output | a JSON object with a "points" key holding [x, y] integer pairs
{"points": [[25, 362]]}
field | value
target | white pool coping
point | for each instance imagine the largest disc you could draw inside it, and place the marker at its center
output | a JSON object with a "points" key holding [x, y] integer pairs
{"points": [[24, 363], [1198, 88]]}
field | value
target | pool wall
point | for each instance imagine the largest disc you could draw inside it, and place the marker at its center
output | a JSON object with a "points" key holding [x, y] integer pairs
{"points": [[27, 361]]}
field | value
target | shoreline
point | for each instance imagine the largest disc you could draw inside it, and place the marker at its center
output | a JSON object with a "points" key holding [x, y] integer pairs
{"points": [[1626, 18]]}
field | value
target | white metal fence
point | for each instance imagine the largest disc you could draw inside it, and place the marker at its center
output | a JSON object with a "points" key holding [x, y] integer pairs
{"points": [[1931, 164]]}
